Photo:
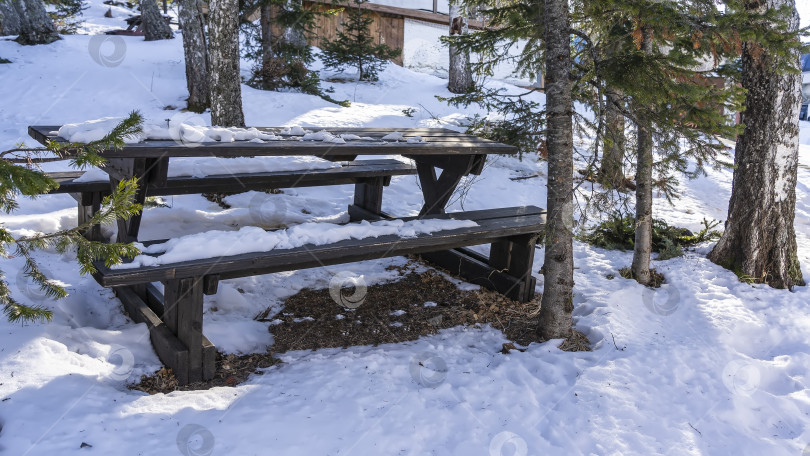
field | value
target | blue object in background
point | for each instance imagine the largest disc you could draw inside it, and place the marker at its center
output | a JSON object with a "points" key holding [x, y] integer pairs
{"points": [[806, 63], [803, 113]]}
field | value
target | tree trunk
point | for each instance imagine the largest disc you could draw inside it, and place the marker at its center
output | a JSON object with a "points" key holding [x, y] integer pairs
{"points": [[611, 172], [9, 19], [643, 241], [36, 27], [460, 76], [196, 53], [759, 240], [266, 20], [226, 87], [557, 302], [154, 26]]}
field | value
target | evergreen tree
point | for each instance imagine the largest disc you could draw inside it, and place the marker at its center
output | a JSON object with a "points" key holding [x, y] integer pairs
{"points": [[195, 50], [36, 27], [9, 19], [558, 267], [354, 46], [284, 55], [65, 14], [155, 26], [460, 78], [760, 241], [28, 181], [225, 81]]}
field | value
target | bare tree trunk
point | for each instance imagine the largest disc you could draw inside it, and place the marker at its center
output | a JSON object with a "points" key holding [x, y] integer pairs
{"points": [[196, 53], [268, 53], [9, 19], [760, 241], [643, 242], [460, 77], [36, 27], [155, 27], [266, 22], [557, 303], [226, 87], [611, 172]]}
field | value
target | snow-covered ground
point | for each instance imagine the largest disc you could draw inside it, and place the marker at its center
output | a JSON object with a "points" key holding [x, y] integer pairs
{"points": [[705, 365]]}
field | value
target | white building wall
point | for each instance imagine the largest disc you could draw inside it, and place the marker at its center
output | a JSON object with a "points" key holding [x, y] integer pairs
{"points": [[442, 6]]}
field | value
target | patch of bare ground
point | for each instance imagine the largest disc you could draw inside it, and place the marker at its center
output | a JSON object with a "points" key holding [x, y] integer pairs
{"points": [[418, 304]]}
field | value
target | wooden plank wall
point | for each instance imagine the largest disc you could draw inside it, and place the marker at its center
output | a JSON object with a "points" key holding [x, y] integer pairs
{"points": [[387, 28]]}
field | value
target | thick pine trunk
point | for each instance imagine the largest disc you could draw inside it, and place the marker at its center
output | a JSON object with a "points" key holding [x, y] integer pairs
{"points": [[643, 241], [611, 172], [226, 88], [557, 303], [460, 76], [155, 27], [36, 27], [196, 53], [759, 240], [9, 19]]}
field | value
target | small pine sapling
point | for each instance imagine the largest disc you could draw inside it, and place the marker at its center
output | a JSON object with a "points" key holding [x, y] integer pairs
{"points": [[355, 47]]}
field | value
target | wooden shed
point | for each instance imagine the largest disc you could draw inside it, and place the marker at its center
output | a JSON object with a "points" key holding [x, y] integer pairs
{"points": [[388, 26]]}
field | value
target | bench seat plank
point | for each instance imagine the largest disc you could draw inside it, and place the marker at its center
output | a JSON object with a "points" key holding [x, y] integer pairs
{"points": [[493, 224], [353, 172]]}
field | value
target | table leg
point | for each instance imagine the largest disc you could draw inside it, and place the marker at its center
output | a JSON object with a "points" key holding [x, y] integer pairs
{"points": [[438, 190], [149, 172], [128, 229]]}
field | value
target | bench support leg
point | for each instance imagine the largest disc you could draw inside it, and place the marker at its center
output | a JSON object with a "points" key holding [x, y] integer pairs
{"points": [[508, 270], [183, 315], [89, 205], [515, 256], [368, 195]]}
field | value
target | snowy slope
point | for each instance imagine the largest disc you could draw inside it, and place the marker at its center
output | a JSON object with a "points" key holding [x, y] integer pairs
{"points": [[706, 365]]}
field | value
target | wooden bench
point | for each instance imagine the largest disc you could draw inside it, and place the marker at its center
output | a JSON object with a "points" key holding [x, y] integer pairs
{"points": [[175, 317], [369, 177]]}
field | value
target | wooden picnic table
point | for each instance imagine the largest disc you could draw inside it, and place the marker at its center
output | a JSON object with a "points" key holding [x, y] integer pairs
{"points": [[456, 154], [174, 315]]}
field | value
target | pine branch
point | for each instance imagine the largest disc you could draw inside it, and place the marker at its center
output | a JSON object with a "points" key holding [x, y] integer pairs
{"points": [[16, 180]]}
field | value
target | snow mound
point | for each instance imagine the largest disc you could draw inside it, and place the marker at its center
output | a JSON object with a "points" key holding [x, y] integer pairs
{"points": [[176, 130]]}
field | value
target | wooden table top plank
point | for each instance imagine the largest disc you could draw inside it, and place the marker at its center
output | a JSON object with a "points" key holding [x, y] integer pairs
{"points": [[453, 143]]}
